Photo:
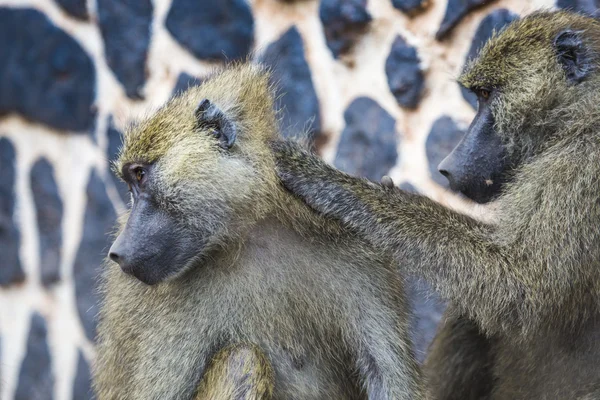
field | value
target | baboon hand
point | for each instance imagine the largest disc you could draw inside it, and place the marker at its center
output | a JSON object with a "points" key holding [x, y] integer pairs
{"points": [[322, 187]]}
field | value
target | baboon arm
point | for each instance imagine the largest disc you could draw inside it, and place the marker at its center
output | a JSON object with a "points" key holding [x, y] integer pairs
{"points": [[238, 372], [459, 362], [502, 285]]}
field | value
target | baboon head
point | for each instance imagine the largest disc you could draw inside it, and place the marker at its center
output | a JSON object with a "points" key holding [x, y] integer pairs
{"points": [[534, 81], [196, 171]]}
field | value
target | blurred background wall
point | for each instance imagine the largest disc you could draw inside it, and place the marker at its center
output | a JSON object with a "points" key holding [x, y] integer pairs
{"points": [[372, 82]]}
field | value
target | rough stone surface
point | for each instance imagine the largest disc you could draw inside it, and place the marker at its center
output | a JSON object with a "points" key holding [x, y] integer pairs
{"points": [[343, 22], [45, 75], [219, 30], [443, 137], [10, 264], [368, 145], [408, 187], [126, 28], [185, 81], [82, 385], [76, 8], [494, 21], [115, 141], [427, 308], [589, 7], [404, 74], [49, 213], [411, 7], [298, 100], [98, 223], [456, 10], [36, 380]]}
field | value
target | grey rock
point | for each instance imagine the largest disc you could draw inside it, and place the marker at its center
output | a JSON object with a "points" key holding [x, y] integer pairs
{"points": [[45, 75], [456, 10], [36, 378], [99, 222], [126, 28], [10, 238], [49, 213], [343, 23], [404, 74], [442, 139], [218, 30], [297, 100], [368, 144]]}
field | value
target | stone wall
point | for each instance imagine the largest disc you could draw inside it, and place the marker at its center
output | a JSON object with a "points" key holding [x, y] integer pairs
{"points": [[372, 82]]}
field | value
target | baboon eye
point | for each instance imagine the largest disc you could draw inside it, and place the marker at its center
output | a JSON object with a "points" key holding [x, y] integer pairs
{"points": [[139, 174], [483, 93]]}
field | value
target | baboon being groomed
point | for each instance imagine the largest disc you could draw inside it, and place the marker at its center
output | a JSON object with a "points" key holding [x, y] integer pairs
{"points": [[524, 291], [215, 254]]}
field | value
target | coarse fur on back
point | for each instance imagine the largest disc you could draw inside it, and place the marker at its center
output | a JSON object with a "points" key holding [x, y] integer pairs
{"points": [[260, 268]]}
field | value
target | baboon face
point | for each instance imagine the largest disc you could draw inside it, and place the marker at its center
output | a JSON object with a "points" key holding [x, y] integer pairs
{"points": [[189, 182], [525, 79]]}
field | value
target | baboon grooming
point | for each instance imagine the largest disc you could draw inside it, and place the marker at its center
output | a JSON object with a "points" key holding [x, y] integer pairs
{"points": [[215, 253], [524, 291]]}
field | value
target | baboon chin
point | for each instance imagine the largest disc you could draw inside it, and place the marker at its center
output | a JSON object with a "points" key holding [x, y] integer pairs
{"points": [[221, 284]]}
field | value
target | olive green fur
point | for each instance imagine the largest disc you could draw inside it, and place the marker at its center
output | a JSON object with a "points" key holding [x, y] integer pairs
{"points": [[324, 308], [525, 288]]}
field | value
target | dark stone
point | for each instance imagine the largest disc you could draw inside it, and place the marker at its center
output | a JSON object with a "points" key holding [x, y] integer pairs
{"points": [[45, 75], [411, 7], [494, 21], [456, 10], [126, 28], [442, 139], [297, 100], [343, 22], [368, 145], [404, 74], [36, 380], [10, 238], [427, 308], [99, 221], [49, 212], [408, 187], [218, 30], [115, 141], [82, 386], [589, 7], [77, 8], [184, 82]]}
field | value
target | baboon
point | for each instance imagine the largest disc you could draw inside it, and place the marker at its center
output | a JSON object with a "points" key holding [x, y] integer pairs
{"points": [[215, 253], [524, 291]]}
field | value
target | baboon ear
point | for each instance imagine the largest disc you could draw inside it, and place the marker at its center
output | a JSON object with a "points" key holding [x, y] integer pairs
{"points": [[209, 115], [573, 55]]}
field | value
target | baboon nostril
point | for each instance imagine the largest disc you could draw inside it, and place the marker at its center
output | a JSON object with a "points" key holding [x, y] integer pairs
{"points": [[114, 256], [444, 172]]}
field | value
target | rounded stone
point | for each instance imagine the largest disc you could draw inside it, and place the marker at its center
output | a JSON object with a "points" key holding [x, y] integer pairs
{"points": [[49, 213], [368, 144], [36, 377], [589, 7], [443, 138], [411, 7], [98, 223], [45, 75], [218, 30], [456, 10], [343, 23], [404, 74], [10, 238], [184, 82], [297, 99], [75, 8], [126, 28]]}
